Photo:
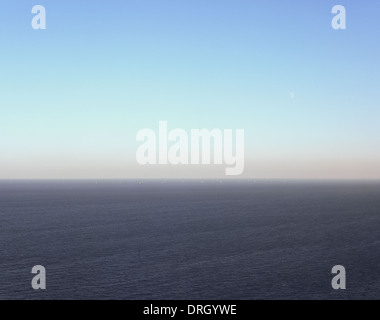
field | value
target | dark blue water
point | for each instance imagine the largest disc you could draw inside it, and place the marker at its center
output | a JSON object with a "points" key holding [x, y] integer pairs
{"points": [[189, 240]]}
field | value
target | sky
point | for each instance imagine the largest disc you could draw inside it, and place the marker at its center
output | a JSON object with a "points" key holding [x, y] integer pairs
{"points": [[73, 96]]}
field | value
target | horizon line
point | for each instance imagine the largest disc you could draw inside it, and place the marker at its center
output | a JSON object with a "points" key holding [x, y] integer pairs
{"points": [[190, 179]]}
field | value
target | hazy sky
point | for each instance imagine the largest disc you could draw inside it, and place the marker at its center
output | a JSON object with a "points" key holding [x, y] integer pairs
{"points": [[73, 96]]}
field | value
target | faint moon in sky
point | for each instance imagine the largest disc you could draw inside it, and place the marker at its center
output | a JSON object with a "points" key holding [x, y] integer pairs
{"points": [[292, 95]]}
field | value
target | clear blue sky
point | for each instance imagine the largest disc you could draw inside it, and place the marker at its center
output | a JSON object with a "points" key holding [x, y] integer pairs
{"points": [[73, 96]]}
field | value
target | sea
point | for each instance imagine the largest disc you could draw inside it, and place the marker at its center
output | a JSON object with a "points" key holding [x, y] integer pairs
{"points": [[189, 239]]}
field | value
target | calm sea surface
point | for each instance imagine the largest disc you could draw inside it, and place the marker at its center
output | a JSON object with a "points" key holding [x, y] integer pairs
{"points": [[189, 240]]}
